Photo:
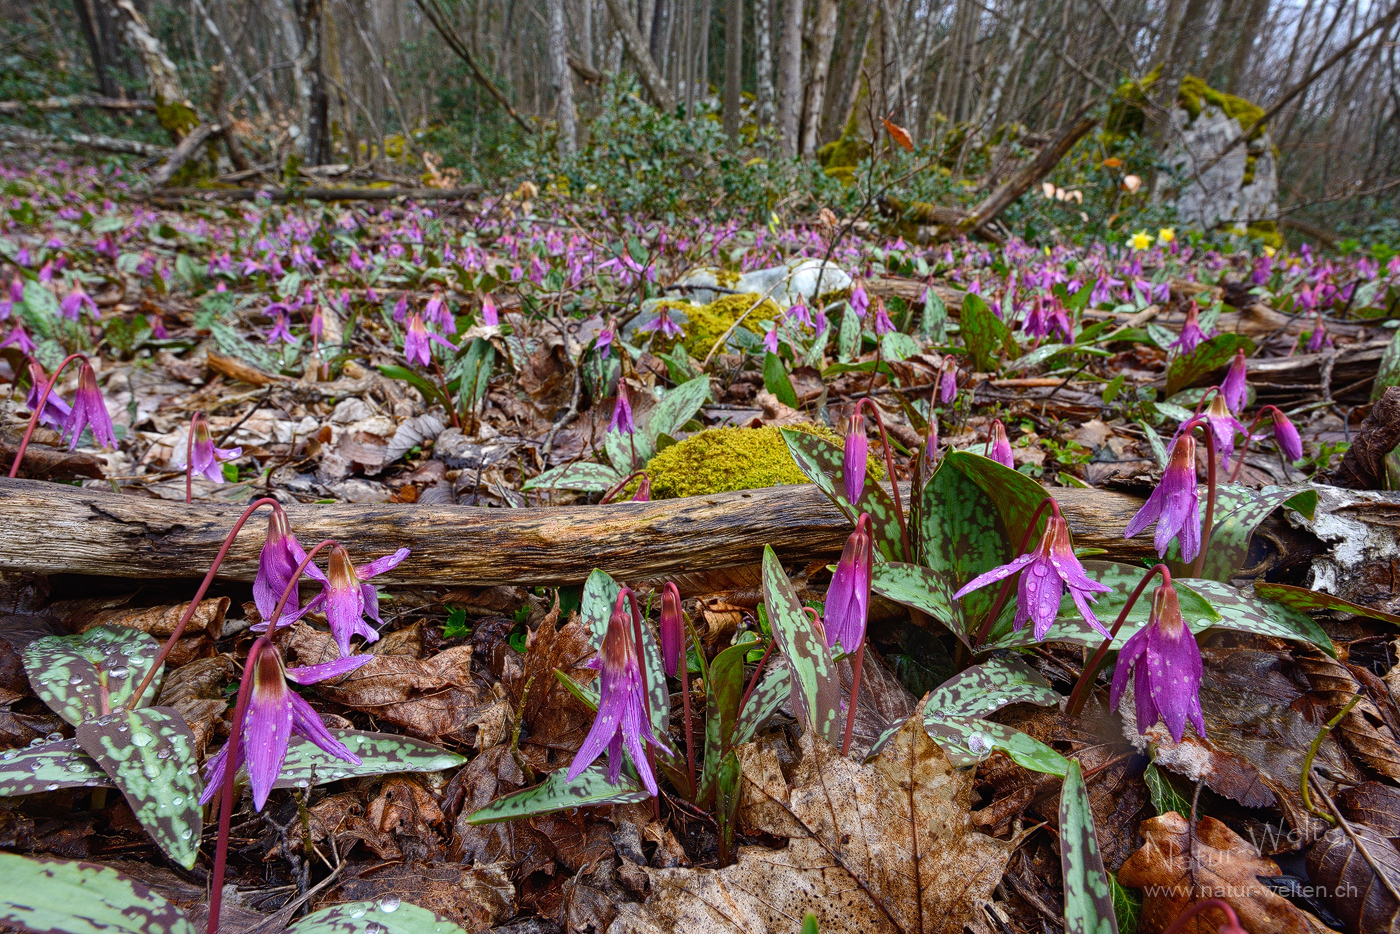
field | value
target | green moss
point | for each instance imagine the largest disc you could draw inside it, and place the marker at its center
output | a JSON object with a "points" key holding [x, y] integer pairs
{"points": [[176, 118], [1125, 108], [841, 156], [1266, 231], [1195, 94], [720, 460], [708, 322]]}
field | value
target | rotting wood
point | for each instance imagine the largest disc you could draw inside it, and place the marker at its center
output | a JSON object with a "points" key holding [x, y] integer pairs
{"points": [[56, 529]]}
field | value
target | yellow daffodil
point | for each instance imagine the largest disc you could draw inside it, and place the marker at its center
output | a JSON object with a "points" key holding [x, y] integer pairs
{"points": [[1269, 252], [1141, 240], [1165, 235]]}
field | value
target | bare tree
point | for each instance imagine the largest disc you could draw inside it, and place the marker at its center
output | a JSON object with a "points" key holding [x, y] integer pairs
{"points": [[563, 79], [733, 67], [790, 75]]}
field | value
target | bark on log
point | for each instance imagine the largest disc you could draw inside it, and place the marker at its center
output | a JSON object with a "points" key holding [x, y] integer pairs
{"points": [[51, 528], [313, 194], [14, 108], [183, 153]]}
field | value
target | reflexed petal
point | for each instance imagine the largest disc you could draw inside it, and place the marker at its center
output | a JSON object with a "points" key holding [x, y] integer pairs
{"points": [[380, 565], [1082, 599], [995, 574], [1039, 593], [344, 613], [214, 771], [1132, 649], [1149, 513], [307, 723], [1144, 710], [267, 730], [312, 674]]}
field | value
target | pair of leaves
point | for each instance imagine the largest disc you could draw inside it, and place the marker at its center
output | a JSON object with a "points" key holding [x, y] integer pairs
{"points": [[987, 337], [824, 464], [62, 897], [815, 684]]}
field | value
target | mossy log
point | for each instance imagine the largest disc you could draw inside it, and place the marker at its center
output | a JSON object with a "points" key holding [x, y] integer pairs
{"points": [[52, 529]]}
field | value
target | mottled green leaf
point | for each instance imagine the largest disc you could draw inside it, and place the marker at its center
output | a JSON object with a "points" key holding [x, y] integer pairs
{"points": [[723, 691], [596, 605], [73, 674], [824, 464], [595, 610], [849, 336], [1015, 495], [768, 695], [1088, 892], [896, 345], [1121, 579], [1259, 614], [380, 754], [150, 754], [1302, 599], [1388, 373], [1239, 511], [916, 586], [431, 391], [962, 536], [1127, 906], [677, 407], [987, 337], [968, 740], [727, 785], [49, 767], [816, 690], [776, 380], [934, 324], [555, 793], [389, 915], [583, 477], [986, 688], [1165, 798], [628, 450], [53, 896], [1209, 356]]}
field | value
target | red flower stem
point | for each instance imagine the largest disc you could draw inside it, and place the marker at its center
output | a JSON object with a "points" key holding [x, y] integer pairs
{"points": [[1211, 491], [198, 596], [689, 729], [1197, 907], [240, 710], [1205, 397], [456, 420], [619, 485], [1079, 695], [855, 695], [753, 682], [34, 416], [889, 468], [189, 459], [1249, 437], [1006, 586], [292, 585]]}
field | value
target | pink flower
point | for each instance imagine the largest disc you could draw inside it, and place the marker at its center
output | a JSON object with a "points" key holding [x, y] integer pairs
{"points": [[89, 411], [622, 710], [883, 324], [20, 339], [1235, 387], [1191, 333], [281, 555], [1166, 664], [860, 302], [1285, 434], [672, 629], [622, 412], [418, 341], [853, 461], [56, 412], [1175, 505], [75, 301], [999, 446], [280, 330], [848, 597], [948, 381], [490, 317], [348, 600], [1045, 573], [663, 323], [205, 458], [275, 712]]}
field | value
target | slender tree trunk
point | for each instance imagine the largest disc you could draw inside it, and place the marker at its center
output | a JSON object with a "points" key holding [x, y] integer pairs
{"points": [[318, 130], [733, 68], [563, 82], [846, 72], [790, 76], [173, 109], [585, 32], [637, 48], [88, 18], [823, 38], [763, 59]]}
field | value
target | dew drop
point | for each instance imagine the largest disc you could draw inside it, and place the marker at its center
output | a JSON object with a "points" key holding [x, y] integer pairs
{"points": [[357, 912], [185, 834], [979, 743], [36, 765], [374, 927], [76, 679], [119, 672], [8, 755], [389, 903], [51, 786], [54, 737], [141, 739]]}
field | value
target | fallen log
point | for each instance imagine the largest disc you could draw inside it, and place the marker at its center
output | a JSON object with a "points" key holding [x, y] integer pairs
{"points": [[13, 108], [314, 194], [83, 140]]}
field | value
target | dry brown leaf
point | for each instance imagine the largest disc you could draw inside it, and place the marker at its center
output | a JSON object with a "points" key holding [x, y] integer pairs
{"points": [[1367, 731], [1373, 804], [1350, 886], [876, 848], [204, 627], [515, 844], [1225, 867], [555, 720], [196, 690], [475, 897]]}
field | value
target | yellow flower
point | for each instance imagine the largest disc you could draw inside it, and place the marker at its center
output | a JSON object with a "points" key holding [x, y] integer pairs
{"points": [[1165, 235], [1269, 252], [774, 222], [1141, 240]]}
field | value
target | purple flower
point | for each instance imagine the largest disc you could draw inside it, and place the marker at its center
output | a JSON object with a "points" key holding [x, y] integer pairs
{"points": [[883, 324], [20, 339], [281, 554], [74, 303], [643, 494], [1174, 505], [672, 629], [401, 307], [1223, 428], [318, 324], [280, 331], [158, 326], [848, 597], [418, 341], [663, 323], [56, 412], [1318, 335], [348, 599], [604, 342], [1045, 572], [1166, 666], [1191, 333], [853, 466], [89, 411], [1235, 387], [276, 712], [204, 457], [491, 318], [860, 302], [622, 412], [622, 711], [770, 339], [16, 289], [1286, 435], [948, 381], [436, 312], [999, 446]]}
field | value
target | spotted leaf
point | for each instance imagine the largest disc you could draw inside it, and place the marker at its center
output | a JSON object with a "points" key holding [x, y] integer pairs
{"points": [[1300, 598], [816, 692], [1015, 495], [1259, 614], [990, 686], [915, 586], [61, 897], [968, 740], [388, 915], [1209, 356], [961, 536], [150, 754], [768, 695], [676, 408], [49, 767], [1088, 893], [556, 793], [595, 609], [824, 464], [84, 676], [380, 754], [987, 337], [723, 690], [582, 477], [1238, 512]]}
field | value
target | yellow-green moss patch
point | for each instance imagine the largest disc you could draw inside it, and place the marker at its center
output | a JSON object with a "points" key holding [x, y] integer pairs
{"points": [[721, 460], [1195, 94], [708, 322]]}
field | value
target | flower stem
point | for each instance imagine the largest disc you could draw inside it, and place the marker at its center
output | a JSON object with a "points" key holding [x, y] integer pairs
{"points": [[1006, 587], [1213, 457], [1196, 908], [617, 487], [889, 468], [856, 664], [292, 584], [1249, 437], [689, 729], [1080, 693], [34, 416], [240, 710], [198, 596]]}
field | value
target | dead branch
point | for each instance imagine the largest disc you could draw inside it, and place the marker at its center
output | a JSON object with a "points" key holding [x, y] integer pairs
{"points": [[183, 153], [120, 105]]}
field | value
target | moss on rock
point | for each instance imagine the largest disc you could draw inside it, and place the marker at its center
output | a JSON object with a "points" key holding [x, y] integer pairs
{"points": [[1195, 94], [708, 322], [721, 460]]}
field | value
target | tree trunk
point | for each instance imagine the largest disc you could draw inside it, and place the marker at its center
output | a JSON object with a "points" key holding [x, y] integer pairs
{"points": [[310, 24], [563, 79], [102, 58], [823, 38], [174, 111], [845, 71], [790, 76], [733, 69], [637, 48], [763, 59]]}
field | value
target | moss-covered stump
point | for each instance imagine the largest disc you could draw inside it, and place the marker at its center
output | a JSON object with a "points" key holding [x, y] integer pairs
{"points": [[722, 460]]}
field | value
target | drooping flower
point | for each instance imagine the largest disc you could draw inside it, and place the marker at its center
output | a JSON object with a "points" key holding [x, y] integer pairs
{"points": [[1235, 388], [19, 338], [204, 457], [275, 712], [604, 342], [75, 301], [1318, 337], [860, 302], [948, 381], [622, 711], [999, 446], [643, 494], [848, 597], [1191, 333], [418, 341], [622, 412], [1045, 573], [89, 411], [489, 316], [770, 338], [348, 599], [281, 555], [883, 324], [1286, 435], [853, 461], [280, 330], [663, 323], [672, 629], [56, 412], [1175, 505], [1166, 666], [1223, 428]]}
